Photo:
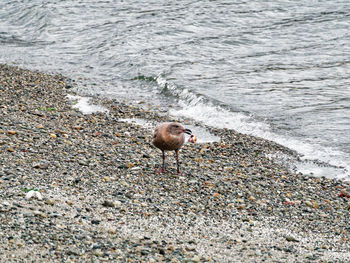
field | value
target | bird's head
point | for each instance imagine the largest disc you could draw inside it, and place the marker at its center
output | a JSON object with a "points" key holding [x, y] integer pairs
{"points": [[176, 129]]}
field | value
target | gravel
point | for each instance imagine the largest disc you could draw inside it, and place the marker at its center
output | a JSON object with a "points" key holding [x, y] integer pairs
{"points": [[100, 198]]}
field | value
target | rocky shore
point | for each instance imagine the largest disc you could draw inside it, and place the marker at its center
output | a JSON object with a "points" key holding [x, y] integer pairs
{"points": [[101, 200]]}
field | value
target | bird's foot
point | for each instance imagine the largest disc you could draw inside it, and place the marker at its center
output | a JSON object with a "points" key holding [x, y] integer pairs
{"points": [[180, 173], [159, 171]]}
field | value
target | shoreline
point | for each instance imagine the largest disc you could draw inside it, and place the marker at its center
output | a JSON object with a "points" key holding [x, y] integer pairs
{"points": [[103, 200]]}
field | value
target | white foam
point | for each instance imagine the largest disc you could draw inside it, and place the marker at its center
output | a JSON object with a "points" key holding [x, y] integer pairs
{"points": [[82, 103]]}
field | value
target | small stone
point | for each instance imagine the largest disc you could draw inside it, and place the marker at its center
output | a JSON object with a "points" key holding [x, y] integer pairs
{"points": [[171, 248], [43, 215], [49, 202], [196, 259], [324, 215], [252, 198], [308, 203], [73, 252], [291, 239], [95, 221], [11, 132], [41, 165], [52, 135], [112, 230], [38, 213], [123, 183], [130, 165], [191, 248], [107, 203], [117, 204], [240, 207], [122, 166], [106, 179]]}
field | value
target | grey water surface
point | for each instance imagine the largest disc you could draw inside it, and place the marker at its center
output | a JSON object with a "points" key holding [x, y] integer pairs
{"points": [[275, 69]]}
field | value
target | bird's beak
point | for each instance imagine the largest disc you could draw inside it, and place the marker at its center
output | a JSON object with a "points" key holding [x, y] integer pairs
{"points": [[188, 131]]}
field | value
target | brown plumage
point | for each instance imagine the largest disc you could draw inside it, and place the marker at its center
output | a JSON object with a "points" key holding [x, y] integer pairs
{"points": [[170, 136]]}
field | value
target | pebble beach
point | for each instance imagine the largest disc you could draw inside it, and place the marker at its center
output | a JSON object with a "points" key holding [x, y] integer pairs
{"points": [[98, 196]]}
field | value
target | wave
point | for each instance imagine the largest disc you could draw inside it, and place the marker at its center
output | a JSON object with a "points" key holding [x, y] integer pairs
{"points": [[315, 158]]}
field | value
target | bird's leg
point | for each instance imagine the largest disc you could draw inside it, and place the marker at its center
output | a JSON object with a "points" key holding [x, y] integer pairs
{"points": [[163, 165], [177, 161], [163, 168]]}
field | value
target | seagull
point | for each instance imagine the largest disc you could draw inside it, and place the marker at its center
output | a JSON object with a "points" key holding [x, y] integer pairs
{"points": [[169, 136]]}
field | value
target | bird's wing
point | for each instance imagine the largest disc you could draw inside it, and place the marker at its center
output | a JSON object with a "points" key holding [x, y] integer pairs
{"points": [[155, 133]]}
